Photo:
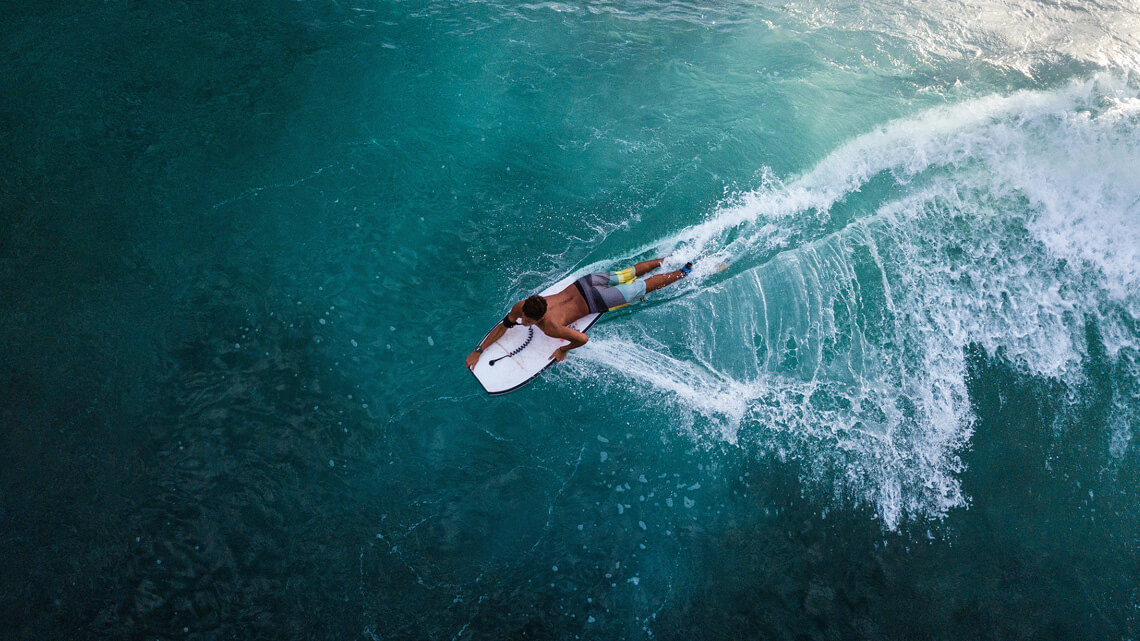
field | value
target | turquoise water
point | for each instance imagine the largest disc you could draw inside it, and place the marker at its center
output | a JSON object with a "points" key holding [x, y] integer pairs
{"points": [[245, 250]]}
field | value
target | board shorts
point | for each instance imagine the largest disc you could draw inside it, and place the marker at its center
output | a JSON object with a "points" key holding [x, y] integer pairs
{"points": [[605, 291]]}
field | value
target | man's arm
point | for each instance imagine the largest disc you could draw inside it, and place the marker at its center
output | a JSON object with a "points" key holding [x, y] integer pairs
{"points": [[495, 335], [576, 338]]}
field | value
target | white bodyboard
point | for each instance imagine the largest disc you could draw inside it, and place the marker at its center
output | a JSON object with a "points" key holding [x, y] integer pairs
{"points": [[522, 353]]}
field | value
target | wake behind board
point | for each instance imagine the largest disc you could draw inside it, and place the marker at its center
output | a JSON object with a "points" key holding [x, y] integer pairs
{"points": [[522, 353]]}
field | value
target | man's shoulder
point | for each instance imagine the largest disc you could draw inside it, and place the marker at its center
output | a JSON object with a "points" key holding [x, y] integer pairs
{"points": [[550, 327]]}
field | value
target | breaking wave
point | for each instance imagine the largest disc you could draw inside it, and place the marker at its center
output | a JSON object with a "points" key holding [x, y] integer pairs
{"points": [[837, 335]]}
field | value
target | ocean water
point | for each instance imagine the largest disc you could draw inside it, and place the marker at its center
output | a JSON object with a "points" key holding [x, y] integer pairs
{"points": [[245, 248]]}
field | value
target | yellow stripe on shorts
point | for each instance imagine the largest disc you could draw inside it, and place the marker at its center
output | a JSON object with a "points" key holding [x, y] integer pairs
{"points": [[624, 276]]}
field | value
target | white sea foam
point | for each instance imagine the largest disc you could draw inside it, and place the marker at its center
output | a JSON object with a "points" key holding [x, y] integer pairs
{"points": [[945, 136], [1011, 221]]}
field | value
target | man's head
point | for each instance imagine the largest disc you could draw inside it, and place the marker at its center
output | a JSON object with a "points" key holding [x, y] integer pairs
{"points": [[534, 308]]}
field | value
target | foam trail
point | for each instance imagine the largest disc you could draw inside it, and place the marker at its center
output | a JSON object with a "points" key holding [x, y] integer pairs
{"points": [[698, 387], [944, 136], [1008, 225]]}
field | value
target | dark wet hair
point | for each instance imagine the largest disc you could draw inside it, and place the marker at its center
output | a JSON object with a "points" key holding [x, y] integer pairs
{"points": [[534, 307]]}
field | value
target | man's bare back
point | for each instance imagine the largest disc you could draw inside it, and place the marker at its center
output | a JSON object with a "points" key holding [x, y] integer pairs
{"points": [[553, 314]]}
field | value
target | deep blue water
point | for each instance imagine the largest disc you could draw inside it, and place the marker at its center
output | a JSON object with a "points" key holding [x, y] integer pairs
{"points": [[244, 250]]}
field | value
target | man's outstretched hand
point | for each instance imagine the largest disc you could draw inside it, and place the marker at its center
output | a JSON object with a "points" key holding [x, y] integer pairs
{"points": [[472, 358], [559, 354]]}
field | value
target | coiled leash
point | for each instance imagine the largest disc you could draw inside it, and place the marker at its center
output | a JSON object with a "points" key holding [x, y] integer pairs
{"points": [[530, 335]]}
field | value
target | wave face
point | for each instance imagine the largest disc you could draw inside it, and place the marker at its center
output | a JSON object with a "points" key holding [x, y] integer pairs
{"points": [[838, 332]]}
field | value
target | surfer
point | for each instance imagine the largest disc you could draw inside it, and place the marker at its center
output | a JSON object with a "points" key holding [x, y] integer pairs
{"points": [[590, 294]]}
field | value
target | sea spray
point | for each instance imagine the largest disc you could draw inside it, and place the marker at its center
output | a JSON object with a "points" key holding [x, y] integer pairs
{"points": [[849, 349]]}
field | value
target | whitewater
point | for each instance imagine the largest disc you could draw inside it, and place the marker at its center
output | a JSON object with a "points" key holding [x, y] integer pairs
{"points": [[839, 336]]}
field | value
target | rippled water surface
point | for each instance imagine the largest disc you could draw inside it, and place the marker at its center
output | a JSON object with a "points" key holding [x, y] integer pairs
{"points": [[245, 249]]}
